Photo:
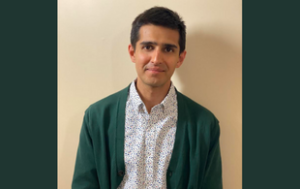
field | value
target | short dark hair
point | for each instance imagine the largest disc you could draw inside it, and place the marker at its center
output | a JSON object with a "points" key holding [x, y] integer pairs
{"points": [[159, 16]]}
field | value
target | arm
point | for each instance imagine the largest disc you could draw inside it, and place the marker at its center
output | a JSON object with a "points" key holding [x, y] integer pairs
{"points": [[85, 173], [213, 168]]}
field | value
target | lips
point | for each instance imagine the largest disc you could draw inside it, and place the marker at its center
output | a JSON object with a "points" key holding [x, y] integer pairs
{"points": [[154, 70]]}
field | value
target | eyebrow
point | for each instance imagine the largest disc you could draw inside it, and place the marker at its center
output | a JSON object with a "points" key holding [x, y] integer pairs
{"points": [[154, 43]]}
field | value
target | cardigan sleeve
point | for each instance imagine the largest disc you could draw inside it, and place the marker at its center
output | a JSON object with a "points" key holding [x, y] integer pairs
{"points": [[85, 173], [213, 168]]}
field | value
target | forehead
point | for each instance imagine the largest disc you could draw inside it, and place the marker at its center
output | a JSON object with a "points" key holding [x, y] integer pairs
{"points": [[158, 34]]}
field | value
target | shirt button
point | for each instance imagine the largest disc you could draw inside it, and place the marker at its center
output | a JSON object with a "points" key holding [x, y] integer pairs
{"points": [[120, 173]]}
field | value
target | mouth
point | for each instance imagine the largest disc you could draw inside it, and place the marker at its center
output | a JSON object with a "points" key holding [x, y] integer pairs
{"points": [[155, 70]]}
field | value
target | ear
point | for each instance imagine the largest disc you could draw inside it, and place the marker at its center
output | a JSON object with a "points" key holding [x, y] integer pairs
{"points": [[131, 53], [181, 59]]}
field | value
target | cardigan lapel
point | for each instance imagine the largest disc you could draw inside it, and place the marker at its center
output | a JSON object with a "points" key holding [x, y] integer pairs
{"points": [[120, 132], [176, 164]]}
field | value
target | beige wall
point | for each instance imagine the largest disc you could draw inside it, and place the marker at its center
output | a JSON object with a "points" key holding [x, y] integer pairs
{"points": [[93, 62]]}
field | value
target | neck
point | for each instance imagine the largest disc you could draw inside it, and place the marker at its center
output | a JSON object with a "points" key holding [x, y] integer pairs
{"points": [[152, 96]]}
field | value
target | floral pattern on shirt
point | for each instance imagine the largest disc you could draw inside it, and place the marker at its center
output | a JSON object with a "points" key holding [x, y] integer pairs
{"points": [[149, 141]]}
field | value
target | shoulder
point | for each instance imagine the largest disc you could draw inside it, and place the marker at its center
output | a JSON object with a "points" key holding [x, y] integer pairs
{"points": [[108, 103], [194, 110], [199, 119]]}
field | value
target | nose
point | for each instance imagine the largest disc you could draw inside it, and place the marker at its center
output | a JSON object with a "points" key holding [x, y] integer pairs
{"points": [[157, 56]]}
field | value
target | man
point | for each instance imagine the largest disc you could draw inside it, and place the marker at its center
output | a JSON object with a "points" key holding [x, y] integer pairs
{"points": [[149, 135]]}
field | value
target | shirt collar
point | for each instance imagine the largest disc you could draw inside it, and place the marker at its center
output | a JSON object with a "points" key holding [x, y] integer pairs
{"points": [[168, 101], [134, 97]]}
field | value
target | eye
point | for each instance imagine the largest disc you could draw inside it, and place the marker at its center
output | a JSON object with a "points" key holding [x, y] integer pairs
{"points": [[169, 49], [148, 47]]}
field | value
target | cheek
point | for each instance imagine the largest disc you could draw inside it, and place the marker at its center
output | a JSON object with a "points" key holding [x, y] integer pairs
{"points": [[144, 58], [173, 62]]}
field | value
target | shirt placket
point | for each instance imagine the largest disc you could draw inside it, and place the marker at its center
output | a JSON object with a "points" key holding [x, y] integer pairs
{"points": [[150, 148]]}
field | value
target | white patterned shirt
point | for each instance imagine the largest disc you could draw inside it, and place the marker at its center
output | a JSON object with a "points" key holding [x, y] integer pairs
{"points": [[149, 141]]}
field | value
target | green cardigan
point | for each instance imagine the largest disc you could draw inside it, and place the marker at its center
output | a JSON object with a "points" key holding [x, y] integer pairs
{"points": [[195, 161]]}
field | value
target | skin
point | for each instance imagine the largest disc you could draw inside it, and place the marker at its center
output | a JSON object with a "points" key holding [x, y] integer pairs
{"points": [[156, 57]]}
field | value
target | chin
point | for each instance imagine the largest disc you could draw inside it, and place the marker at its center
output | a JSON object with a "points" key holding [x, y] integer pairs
{"points": [[155, 83]]}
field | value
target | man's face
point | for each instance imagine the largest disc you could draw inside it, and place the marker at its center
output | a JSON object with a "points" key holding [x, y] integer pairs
{"points": [[156, 55]]}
